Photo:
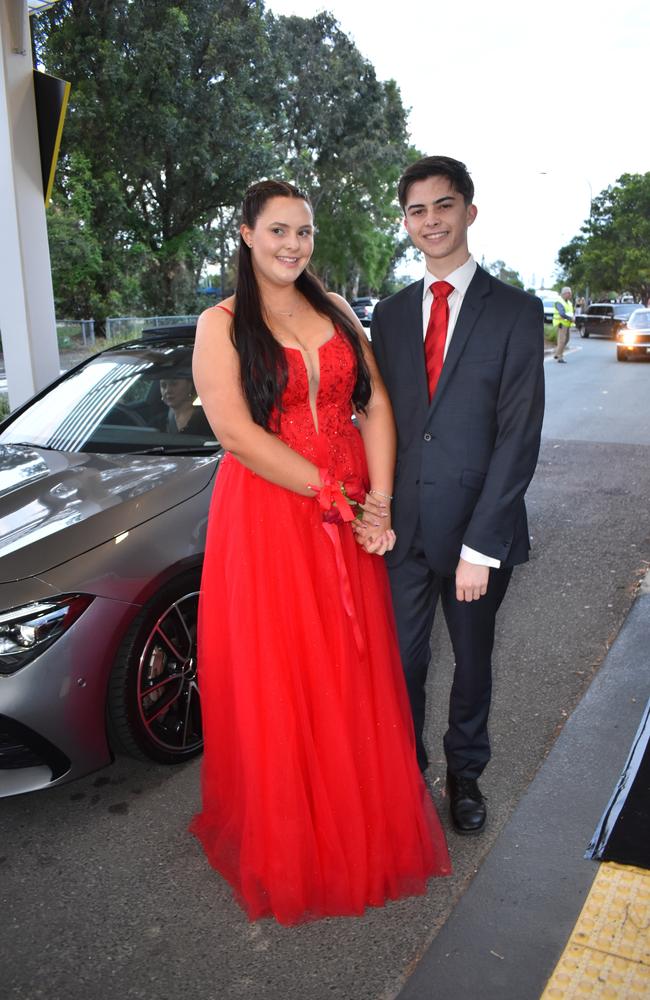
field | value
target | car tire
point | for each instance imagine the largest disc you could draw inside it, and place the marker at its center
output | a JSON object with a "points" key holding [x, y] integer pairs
{"points": [[154, 710], [622, 354]]}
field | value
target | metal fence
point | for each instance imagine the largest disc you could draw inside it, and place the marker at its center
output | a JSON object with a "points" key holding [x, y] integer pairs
{"points": [[124, 327], [78, 329]]}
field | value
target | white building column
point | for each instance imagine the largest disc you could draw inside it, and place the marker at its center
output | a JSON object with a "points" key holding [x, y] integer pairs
{"points": [[27, 319]]}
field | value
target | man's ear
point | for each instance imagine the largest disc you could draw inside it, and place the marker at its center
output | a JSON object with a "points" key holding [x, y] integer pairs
{"points": [[472, 212]]}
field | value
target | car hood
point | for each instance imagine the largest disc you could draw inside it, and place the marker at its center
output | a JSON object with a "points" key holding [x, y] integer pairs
{"points": [[56, 505]]}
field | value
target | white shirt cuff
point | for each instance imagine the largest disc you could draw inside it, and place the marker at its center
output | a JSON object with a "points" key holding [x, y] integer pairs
{"points": [[472, 556]]}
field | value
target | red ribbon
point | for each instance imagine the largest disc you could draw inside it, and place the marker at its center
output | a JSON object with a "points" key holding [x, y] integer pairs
{"points": [[330, 495]]}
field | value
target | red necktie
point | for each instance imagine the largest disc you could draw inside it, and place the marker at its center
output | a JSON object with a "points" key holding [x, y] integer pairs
{"points": [[434, 342]]}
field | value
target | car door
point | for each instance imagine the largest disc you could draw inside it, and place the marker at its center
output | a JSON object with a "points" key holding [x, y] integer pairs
{"points": [[593, 319], [607, 326]]}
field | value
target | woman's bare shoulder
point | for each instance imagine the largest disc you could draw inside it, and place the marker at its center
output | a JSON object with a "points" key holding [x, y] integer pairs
{"points": [[339, 301], [214, 325], [227, 306], [344, 306]]}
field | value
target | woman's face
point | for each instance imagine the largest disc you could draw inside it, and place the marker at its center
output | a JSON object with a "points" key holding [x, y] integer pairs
{"points": [[282, 240], [175, 392]]}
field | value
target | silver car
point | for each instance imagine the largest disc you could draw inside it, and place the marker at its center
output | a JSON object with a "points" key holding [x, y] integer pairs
{"points": [[104, 500]]}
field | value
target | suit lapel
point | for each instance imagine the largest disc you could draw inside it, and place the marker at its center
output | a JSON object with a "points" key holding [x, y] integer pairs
{"points": [[412, 332], [470, 311]]}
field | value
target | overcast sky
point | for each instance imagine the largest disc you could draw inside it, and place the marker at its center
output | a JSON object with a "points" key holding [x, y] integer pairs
{"points": [[545, 103]]}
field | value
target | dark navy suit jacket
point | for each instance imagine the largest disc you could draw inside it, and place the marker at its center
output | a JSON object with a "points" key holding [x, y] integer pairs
{"points": [[464, 461]]}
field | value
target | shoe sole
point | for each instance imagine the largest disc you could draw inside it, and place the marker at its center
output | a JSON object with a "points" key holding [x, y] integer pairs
{"points": [[469, 833]]}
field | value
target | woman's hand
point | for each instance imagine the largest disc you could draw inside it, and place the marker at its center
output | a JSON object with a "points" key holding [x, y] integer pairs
{"points": [[376, 511], [374, 532]]}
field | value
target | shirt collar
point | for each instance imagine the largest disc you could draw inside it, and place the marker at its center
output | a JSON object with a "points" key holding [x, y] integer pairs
{"points": [[460, 278]]}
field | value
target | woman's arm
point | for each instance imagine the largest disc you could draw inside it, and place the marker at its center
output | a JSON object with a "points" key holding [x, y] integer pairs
{"points": [[216, 372]]}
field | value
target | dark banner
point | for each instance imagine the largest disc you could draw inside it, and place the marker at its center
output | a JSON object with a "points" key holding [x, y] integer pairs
{"points": [[51, 96]]}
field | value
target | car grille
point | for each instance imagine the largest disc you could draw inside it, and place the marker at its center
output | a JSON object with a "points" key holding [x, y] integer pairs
{"points": [[22, 747]]}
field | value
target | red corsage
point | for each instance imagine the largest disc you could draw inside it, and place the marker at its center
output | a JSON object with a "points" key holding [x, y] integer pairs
{"points": [[339, 501]]}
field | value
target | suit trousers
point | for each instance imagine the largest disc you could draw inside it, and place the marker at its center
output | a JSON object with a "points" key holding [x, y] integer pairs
{"points": [[416, 588]]}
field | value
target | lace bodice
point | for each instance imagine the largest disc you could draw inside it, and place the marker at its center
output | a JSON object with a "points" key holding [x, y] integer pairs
{"points": [[336, 443]]}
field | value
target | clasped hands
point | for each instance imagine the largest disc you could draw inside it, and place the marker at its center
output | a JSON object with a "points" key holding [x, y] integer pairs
{"points": [[367, 513], [373, 531]]}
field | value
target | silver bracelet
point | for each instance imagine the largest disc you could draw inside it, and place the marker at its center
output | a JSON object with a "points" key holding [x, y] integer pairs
{"points": [[379, 493]]}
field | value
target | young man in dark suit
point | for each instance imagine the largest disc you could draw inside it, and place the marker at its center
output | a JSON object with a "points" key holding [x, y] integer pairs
{"points": [[461, 354]]}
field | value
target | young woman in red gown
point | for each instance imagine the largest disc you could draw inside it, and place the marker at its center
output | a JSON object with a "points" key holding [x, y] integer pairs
{"points": [[313, 803]]}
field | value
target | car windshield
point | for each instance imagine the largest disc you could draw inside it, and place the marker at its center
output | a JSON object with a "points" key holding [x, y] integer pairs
{"points": [[623, 311], [138, 397], [640, 320]]}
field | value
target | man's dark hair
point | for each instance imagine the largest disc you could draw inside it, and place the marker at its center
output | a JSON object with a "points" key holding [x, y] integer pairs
{"points": [[437, 166]]}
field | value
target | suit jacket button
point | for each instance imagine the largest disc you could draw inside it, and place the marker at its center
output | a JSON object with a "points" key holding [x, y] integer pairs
{"points": [[427, 436]]}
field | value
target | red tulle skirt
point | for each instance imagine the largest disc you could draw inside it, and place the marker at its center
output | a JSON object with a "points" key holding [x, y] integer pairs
{"points": [[313, 804]]}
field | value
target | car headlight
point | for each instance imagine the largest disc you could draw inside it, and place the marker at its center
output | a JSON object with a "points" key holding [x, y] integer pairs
{"points": [[26, 631], [628, 337]]}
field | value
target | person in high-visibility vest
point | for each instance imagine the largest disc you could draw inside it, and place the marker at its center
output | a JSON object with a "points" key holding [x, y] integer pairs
{"points": [[562, 322]]}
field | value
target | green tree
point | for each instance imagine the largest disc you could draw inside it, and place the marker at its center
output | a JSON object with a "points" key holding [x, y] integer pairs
{"points": [[344, 140], [168, 105], [612, 251], [178, 107], [75, 251], [499, 269]]}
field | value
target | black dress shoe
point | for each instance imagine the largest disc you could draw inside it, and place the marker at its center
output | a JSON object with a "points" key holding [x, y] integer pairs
{"points": [[466, 804]]}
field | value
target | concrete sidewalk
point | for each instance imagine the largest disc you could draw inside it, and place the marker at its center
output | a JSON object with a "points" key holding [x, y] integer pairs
{"points": [[508, 931]]}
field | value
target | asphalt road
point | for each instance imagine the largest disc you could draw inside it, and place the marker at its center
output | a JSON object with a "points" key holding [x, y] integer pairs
{"points": [[104, 895]]}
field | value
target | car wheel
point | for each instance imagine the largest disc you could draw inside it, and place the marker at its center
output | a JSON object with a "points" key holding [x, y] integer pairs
{"points": [[622, 354], [153, 697]]}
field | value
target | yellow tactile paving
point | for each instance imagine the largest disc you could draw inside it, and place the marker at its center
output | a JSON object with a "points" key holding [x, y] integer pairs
{"points": [[608, 953]]}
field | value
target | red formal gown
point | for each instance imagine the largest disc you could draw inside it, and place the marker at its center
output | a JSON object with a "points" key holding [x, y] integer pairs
{"points": [[312, 801]]}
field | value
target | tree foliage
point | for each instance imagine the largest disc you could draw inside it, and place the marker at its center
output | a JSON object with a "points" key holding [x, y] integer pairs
{"points": [[504, 273], [166, 105], [612, 252], [177, 107], [75, 250], [344, 138]]}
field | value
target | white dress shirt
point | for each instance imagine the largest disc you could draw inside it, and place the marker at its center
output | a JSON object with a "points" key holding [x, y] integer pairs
{"points": [[460, 279]]}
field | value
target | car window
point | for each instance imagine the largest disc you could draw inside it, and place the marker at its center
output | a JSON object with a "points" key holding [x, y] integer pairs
{"points": [[625, 310], [134, 398], [640, 319]]}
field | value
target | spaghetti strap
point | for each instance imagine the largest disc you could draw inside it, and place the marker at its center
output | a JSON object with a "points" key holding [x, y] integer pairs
{"points": [[225, 309]]}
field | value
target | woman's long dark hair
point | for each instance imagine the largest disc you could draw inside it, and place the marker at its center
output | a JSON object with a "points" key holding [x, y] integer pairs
{"points": [[262, 359]]}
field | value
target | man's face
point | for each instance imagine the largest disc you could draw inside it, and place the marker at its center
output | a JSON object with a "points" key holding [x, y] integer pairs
{"points": [[566, 294], [437, 219]]}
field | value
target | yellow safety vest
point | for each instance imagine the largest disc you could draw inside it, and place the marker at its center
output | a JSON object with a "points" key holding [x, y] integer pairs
{"points": [[568, 308]]}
